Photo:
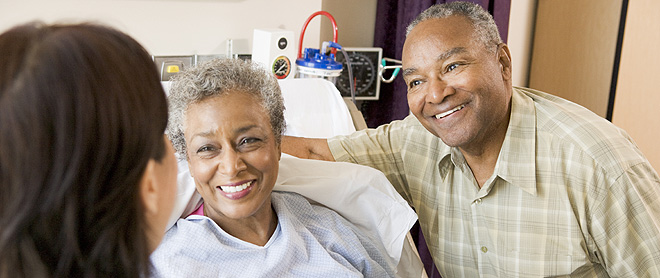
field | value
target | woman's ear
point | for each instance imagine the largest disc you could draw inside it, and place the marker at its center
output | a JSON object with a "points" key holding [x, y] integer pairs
{"points": [[190, 168], [279, 151], [504, 59], [150, 193], [148, 189]]}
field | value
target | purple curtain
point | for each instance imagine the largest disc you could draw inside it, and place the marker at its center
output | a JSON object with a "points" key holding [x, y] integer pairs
{"points": [[392, 18]]}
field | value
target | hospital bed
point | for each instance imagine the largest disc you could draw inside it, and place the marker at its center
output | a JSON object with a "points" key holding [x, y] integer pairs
{"points": [[362, 195]]}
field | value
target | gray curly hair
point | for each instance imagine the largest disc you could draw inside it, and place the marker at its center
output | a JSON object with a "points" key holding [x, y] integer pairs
{"points": [[216, 78], [484, 24]]}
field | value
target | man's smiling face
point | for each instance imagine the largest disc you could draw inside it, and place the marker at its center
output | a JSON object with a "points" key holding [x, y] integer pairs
{"points": [[457, 87]]}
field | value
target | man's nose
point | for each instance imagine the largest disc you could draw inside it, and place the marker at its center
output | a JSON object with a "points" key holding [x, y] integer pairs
{"points": [[438, 91], [231, 163]]}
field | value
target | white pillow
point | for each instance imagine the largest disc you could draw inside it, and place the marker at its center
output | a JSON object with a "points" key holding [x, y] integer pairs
{"points": [[314, 108]]}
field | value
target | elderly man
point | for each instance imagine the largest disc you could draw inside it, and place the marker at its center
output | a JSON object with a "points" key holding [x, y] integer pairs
{"points": [[506, 181]]}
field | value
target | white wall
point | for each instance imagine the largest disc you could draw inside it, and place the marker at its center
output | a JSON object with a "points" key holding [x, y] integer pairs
{"points": [[176, 27], [184, 27], [521, 34]]}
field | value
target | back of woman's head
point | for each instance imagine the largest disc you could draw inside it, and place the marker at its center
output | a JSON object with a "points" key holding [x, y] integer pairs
{"points": [[82, 112]]}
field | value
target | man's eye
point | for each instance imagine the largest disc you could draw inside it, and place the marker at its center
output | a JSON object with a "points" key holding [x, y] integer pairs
{"points": [[414, 83], [451, 67]]}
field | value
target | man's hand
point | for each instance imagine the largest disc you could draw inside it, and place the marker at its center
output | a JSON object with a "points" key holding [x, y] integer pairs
{"points": [[310, 148]]}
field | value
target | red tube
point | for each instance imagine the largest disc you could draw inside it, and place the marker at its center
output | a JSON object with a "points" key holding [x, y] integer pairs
{"points": [[302, 33]]}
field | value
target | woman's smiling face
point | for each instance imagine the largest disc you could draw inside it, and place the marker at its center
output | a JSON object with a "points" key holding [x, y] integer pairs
{"points": [[232, 154]]}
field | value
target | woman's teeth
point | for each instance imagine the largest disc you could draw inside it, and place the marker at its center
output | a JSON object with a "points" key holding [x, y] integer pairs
{"points": [[232, 189], [440, 116]]}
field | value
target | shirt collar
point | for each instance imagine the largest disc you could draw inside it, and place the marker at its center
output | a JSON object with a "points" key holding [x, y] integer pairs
{"points": [[447, 159], [516, 163]]}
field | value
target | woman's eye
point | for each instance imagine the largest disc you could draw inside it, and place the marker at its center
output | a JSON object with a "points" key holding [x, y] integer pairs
{"points": [[204, 149], [249, 144], [249, 140]]}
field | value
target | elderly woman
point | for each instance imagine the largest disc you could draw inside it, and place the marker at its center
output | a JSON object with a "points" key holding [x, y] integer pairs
{"points": [[87, 176], [227, 118]]}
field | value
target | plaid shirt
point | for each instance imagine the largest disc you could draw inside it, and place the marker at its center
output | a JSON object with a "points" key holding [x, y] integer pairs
{"points": [[570, 194]]}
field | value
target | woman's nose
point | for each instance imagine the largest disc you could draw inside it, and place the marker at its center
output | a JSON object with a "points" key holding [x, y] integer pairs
{"points": [[231, 163]]}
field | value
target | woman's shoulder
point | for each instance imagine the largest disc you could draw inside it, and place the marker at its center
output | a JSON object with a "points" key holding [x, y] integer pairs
{"points": [[303, 211], [327, 228], [303, 215], [197, 226], [293, 203]]}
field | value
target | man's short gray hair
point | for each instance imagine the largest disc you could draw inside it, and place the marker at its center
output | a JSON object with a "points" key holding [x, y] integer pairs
{"points": [[216, 78], [484, 24]]}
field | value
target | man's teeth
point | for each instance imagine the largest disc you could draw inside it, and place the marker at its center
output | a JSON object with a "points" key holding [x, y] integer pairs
{"points": [[232, 189], [440, 116]]}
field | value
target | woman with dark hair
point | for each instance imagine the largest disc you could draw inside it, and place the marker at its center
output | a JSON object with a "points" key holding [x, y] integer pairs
{"points": [[87, 178]]}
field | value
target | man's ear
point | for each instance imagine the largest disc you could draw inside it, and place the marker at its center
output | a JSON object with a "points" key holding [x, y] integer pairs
{"points": [[504, 59], [148, 189]]}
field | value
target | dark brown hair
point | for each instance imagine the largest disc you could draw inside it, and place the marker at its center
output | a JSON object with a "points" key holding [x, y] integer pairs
{"points": [[81, 113]]}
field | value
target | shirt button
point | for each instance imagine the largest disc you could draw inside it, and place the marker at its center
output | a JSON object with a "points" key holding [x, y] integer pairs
{"points": [[478, 201], [484, 249]]}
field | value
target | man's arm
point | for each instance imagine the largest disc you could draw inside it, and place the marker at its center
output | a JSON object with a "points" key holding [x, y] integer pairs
{"points": [[629, 215], [310, 148]]}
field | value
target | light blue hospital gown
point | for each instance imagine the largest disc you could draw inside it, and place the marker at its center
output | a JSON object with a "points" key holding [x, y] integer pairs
{"points": [[309, 241]]}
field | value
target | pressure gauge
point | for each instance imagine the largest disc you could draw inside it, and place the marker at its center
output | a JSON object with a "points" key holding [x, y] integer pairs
{"points": [[364, 62], [281, 67], [273, 49]]}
